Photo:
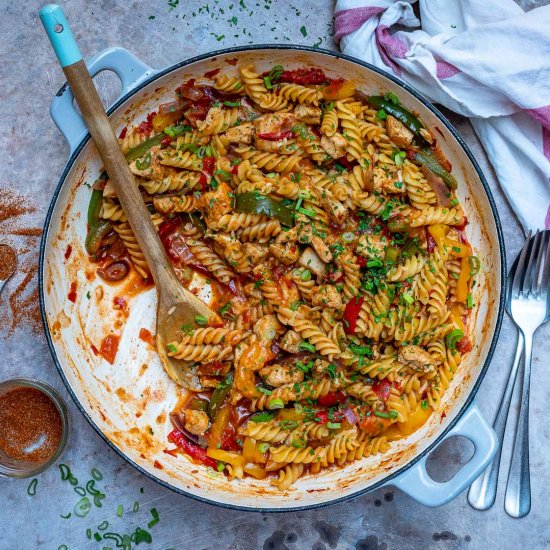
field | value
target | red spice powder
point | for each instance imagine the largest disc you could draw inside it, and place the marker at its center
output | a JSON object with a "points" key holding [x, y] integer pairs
{"points": [[8, 261], [23, 237], [30, 425]]}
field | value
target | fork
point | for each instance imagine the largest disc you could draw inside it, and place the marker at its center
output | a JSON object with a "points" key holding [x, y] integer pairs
{"points": [[528, 310]]}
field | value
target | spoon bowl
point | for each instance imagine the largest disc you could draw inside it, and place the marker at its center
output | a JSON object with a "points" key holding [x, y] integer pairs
{"points": [[9, 263]]}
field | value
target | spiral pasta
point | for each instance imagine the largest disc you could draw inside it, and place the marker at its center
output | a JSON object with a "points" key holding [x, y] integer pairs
{"points": [[342, 281]]}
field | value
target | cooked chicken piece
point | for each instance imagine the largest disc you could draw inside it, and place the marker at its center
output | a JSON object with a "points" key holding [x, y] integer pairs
{"points": [[149, 166], [322, 249], [209, 381], [290, 342], [398, 132], [427, 135], [283, 146], [311, 261], [196, 422], [109, 190], [286, 252], [388, 179], [336, 210], [416, 358], [372, 246], [215, 204], [240, 134], [256, 253], [326, 296], [274, 123], [308, 114], [334, 145], [321, 366], [268, 327], [252, 291], [279, 375]]}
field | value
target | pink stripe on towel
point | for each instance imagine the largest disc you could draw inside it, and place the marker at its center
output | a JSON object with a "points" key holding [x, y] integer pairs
{"points": [[542, 115], [547, 220], [348, 21], [390, 46], [445, 70]]}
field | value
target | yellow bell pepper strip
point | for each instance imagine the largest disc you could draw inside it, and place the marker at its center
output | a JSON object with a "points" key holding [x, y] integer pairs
{"points": [[456, 316], [254, 470], [229, 457], [438, 231], [252, 359], [463, 280], [458, 250], [218, 426]]}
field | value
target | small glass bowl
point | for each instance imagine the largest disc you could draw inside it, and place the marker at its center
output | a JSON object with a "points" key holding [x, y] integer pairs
{"points": [[10, 467]]}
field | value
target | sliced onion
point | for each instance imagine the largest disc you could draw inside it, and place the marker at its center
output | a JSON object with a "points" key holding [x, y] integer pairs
{"points": [[351, 416], [191, 92], [172, 106], [348, 237]]}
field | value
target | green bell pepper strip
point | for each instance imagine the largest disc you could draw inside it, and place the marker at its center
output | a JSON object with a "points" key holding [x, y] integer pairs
{"points": [[410, 249], [94, 207], [219, 395], [142, 149], [96, 235], [256, 203], [392, 254], [397, 225], [401, 114], [427, 158]]}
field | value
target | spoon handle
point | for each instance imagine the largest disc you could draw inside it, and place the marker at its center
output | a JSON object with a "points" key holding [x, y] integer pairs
{"points": [[517, 501], [102, 133], [483, 491]]}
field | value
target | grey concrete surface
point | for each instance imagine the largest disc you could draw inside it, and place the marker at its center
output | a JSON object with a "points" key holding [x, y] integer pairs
{"points": [[162, 32]]}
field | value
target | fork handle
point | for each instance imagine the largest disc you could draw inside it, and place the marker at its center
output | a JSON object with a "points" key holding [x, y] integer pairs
{"points": [[483, 491], [517, 501]]}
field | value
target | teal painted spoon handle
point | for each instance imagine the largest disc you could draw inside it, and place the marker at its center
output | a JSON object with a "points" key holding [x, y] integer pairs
{"points": [[57, 28]]}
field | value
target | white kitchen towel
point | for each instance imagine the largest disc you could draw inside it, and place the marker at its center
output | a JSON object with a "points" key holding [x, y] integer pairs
{"points": [[484, 59]]}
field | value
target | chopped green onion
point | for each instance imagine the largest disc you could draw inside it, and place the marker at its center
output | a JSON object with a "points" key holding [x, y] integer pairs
{"points": [[62, 547], [334, 425], [145, 163], [98, 498], [232, 103], [360, 350], [303, 30], [201, 320], [65, 472], [119, 510], [97, 537], [267, 83], [80, 491], [153, 522], [348, 237], [220, 466], [171, 348], [408, 298], [265, 391], [263, 447], [469, 301], [178, 130], [424, 404], [295, 305], [89, 533], [381, 414], [307, 212], [453, 337], [306, 346], [394, 414], [262, 417], [375, 263], [299, 443], [381, 114], [31, 489], [103, 525], [96, 474], [67, 516], [276, 404], [73, 480], [136, 506], [288, 424], [475, 264], [82, 507]]}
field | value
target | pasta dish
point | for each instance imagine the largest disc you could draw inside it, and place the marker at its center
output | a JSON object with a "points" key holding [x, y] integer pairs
{"points": [[326, 224]]}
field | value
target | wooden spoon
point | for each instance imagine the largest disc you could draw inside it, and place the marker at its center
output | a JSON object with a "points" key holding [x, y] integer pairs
{"points": [[176, 305]]}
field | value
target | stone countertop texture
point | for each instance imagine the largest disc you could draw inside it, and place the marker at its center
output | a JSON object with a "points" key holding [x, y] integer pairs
{"points": [[162, 32]]}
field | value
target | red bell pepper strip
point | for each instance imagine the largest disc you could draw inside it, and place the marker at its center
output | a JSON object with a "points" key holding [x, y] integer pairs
{"points": [[208, 166], [275, 136], [332, 398], [351, 314], [194, 451], [430, 241], [382, 389]]}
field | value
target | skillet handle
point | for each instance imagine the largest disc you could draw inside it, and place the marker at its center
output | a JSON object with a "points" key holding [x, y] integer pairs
{"points": [[123, 63], [418, 484]]}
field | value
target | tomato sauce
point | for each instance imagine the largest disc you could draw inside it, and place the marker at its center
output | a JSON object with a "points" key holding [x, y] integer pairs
{"points": [[109, 348]]}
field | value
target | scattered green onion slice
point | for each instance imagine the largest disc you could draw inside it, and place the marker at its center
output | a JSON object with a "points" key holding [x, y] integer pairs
{"points": [[119, 510], [382, 414], [96, 474], [408, 298], [469, 301], [265, 391], [153, 522], [306, 346], [276, 404], [65, 472], [375, 263], [263, 447], [453, 337], [475, 264], [82, 507], [201, 320], [80, 491], [114, 536], [91, 488], [62, 547], [360, 350], [299, 443], [348, 237], [136, 506], [334, 425], [98, 498], [66, 516], [288, 424], [262, 417], [31, 489], [89, 533], [73, 480], [305, 275], [97, 537], [103, 525]]}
